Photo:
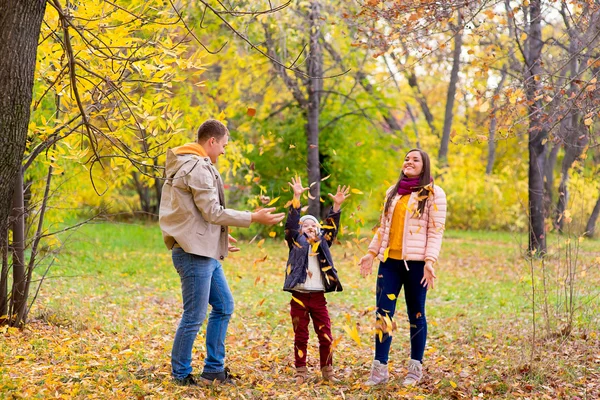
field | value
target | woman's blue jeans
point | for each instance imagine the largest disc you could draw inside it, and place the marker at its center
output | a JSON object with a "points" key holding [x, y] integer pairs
{"points": [[202, 283], [392, 275]]}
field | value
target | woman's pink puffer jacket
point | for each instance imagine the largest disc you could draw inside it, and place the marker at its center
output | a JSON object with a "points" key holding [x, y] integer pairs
{"points": [[422, 238]]}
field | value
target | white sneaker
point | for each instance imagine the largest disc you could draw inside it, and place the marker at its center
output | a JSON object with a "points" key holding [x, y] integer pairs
{"points": [[415, 373], [379, 374]]}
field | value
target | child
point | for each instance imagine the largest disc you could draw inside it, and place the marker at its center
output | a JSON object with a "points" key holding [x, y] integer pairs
{"points": [[309, 274]]}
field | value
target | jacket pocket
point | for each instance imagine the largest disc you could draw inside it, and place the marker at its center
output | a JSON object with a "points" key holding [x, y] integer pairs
{"points": [[201, 228]]}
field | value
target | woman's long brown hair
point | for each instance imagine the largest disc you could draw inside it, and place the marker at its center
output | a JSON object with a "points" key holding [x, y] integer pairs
{"points": [[424, 180]]}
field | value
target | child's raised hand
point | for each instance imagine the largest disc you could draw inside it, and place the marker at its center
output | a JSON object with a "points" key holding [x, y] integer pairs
{"points": [[296, 185], [342, 194]]}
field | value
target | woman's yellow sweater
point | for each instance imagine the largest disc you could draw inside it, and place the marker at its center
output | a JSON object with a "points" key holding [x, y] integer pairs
{"points": [[397, 228]]}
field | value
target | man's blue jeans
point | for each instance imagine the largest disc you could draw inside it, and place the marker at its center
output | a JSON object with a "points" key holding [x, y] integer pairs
{"points": [[202, 283]]}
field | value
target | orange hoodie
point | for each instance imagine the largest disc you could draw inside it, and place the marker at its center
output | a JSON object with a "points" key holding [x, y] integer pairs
{"points": [[190, 148]]}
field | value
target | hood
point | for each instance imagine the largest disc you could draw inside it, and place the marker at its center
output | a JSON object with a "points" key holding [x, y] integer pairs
{"points": [[178, 156]]}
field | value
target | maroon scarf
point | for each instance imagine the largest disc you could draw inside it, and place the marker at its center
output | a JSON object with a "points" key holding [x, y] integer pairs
{"points": [[408, 185]]}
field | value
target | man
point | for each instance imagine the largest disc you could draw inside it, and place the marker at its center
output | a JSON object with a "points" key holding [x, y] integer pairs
{"points": [[194, 223]]}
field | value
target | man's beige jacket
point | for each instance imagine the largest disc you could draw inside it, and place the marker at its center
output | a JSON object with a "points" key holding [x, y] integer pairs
{"points": [[192, 207]]}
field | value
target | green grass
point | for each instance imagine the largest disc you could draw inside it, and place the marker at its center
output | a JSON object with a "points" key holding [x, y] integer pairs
{"points": [[105, 318]]}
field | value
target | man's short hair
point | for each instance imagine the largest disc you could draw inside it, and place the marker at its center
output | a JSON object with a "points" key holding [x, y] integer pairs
{"points": [[211, 128]]}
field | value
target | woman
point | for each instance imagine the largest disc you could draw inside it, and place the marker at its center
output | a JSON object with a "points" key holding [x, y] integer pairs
{"points": [[407, 243]]}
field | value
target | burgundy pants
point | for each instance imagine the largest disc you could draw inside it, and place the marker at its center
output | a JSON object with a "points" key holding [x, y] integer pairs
{"points": [[313, 306]]}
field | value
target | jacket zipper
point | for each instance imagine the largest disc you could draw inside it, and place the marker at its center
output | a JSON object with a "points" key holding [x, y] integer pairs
{"points": [[406, 221]]}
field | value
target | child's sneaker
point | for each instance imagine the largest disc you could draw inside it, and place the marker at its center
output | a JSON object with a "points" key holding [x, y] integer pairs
{"points": [[300, 375], [415, 373], [328, 374], [379, 374]]}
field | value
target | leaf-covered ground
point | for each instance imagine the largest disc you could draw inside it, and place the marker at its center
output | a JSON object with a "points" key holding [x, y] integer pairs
{"points": [[104, 321]]}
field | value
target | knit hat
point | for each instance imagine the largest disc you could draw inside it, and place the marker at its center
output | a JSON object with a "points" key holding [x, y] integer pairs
{"points": [[310, 217]]}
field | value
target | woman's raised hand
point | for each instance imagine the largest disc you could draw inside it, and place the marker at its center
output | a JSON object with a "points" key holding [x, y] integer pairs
{"points": [[296, 185], [366, 264]]}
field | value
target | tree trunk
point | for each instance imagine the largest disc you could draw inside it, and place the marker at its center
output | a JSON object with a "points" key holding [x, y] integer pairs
{"points": [[422, 100], [414, 121], [4, 276], [574, 133], [549, 178], [449, 114], [315, 71], [590, 227], [493, 126], [538, 132], [143, 193], [18, 304], [411, 77], [157, 190], [20, 24], [577, 140]]}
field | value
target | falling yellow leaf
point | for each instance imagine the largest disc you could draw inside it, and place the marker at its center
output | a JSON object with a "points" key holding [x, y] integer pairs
{"points": [[453, 384], [387, 325], [292, 146], [324, 179], [356, 191], [300, 353], [260, 260], [273, 201], [272, 234], [588, 121], [385, 254], [353, 333], [391, 296], [260, 242], [298, 301], [325, 269]]}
